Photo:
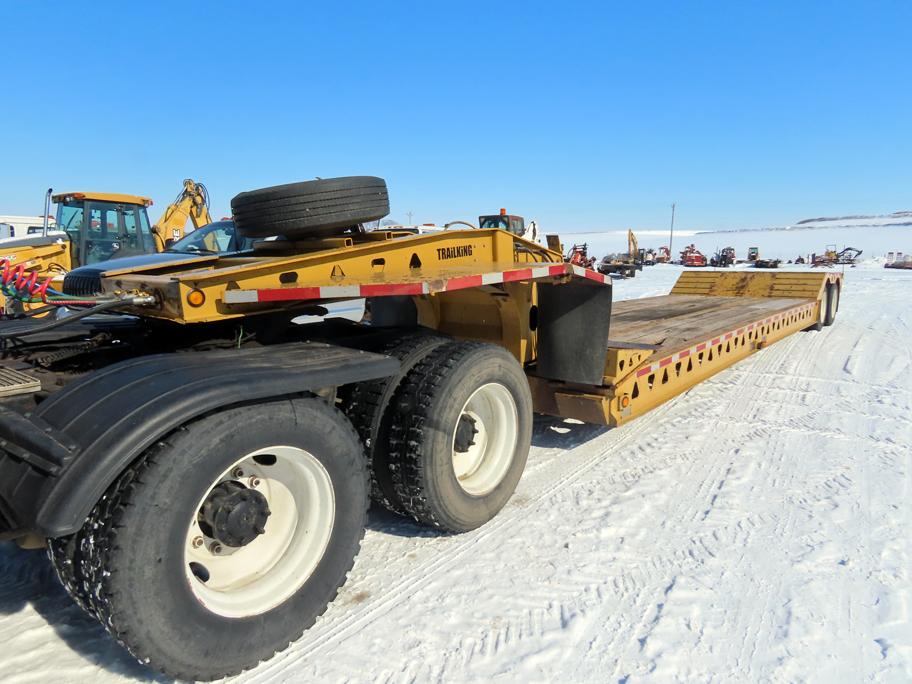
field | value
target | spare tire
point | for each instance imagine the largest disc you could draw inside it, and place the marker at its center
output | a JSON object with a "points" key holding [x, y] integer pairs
{"points": [[310, 209]]}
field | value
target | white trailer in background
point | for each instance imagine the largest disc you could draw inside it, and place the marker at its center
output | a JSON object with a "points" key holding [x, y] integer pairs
{"points": [[18, 226]]}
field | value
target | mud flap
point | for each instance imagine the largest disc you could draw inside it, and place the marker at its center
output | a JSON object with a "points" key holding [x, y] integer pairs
{"points": [[573, 322]]}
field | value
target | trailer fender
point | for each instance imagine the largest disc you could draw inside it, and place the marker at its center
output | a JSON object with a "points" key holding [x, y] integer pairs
{"points": [[58, 461]]}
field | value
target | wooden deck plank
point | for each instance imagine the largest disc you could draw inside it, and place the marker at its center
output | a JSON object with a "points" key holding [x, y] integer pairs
{"points": [[670, 322]]}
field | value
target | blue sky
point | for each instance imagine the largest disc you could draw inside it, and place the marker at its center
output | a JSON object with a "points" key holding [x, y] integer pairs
{"points": [[583, 115]]}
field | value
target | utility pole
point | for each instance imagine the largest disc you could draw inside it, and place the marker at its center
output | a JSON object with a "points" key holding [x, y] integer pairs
{"points": [[409, 214], [671, 236]]}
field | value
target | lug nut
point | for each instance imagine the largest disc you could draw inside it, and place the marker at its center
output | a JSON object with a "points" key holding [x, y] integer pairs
{"points": [[197, 542], [238, 472], [254, 482], [215, 548]]}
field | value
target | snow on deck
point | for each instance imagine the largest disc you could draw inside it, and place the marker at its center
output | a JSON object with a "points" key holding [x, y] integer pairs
{"points": [[756, 528]]}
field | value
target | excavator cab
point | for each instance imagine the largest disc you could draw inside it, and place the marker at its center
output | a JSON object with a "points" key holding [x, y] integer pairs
{"points": [[102, 226], [504, 221]]}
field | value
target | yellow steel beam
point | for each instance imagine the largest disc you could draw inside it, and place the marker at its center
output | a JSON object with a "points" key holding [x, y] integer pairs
{"points": [[349, 263]]}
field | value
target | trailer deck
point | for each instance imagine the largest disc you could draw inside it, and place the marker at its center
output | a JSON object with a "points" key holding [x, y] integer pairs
{"points": [[661, 346], [670, 321]]}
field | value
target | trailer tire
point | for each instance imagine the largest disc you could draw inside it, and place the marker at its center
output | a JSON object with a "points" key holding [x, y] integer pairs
{"points": [[310, 209], [822, 312], [137, 547], [832, 297], [66, 558], [367, 405], [460, 442]]}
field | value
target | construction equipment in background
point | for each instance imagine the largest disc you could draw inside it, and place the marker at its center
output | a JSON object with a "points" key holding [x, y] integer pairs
{"points": [[753, 253], [663, 256], [206, 505], [98, 226], [693, 257], [767, 263], [578, 255], [899, 260], [510, 223], [723, 258], [647, 256], [845, 257], [624, 265], [502, 221], [191, 203]]}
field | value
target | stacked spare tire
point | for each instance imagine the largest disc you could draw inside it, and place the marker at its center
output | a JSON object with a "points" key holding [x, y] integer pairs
{"points": [[311, 209]]}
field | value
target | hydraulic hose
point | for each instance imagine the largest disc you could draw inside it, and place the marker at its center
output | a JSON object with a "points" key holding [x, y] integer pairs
{"points": [[98, 308]]}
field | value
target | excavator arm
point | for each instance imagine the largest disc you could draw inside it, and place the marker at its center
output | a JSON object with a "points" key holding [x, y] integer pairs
{"points": [[191, 203]]}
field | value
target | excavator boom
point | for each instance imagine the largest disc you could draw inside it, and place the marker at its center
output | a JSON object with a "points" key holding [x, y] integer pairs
{"points": [[633, 247], [191, 203]]}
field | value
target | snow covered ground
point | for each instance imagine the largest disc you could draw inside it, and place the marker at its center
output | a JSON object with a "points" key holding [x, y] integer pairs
{"points": [[755, 529]]}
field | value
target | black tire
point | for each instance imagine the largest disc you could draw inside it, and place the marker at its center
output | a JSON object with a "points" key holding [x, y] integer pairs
{"points": [[367, 405], [67, 558], [832, 297], [310, 209], [430, 404], [823, 311], [131, 550]]}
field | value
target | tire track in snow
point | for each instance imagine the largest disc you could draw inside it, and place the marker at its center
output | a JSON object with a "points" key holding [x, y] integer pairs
{"points": [[418, 575], [493, 640], [738, 409]]}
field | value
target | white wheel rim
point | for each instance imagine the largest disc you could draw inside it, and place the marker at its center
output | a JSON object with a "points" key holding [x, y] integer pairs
{"points": [[255, 578], [483, 466]]}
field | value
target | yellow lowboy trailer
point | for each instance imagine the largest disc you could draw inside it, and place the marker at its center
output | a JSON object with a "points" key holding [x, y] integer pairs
{"points": [[200, 469], [484, 285]]}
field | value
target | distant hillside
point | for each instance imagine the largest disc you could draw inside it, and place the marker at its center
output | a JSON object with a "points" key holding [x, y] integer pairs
{"points": [[897, 216], [896, 219]]}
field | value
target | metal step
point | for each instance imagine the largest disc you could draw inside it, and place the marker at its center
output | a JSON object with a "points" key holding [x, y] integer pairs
{"points": [[14, 382]]}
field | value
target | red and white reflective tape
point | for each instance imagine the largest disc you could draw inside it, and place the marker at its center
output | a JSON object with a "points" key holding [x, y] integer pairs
{"points": [[696, 349], [284, 294]]}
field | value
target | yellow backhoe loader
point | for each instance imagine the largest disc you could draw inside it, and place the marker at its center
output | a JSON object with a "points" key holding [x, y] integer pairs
{"points": [[98, 226]]}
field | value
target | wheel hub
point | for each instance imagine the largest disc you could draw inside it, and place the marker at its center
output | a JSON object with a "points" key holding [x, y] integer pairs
{"points": [[234, 514], [465, 434], [484, 439]]}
